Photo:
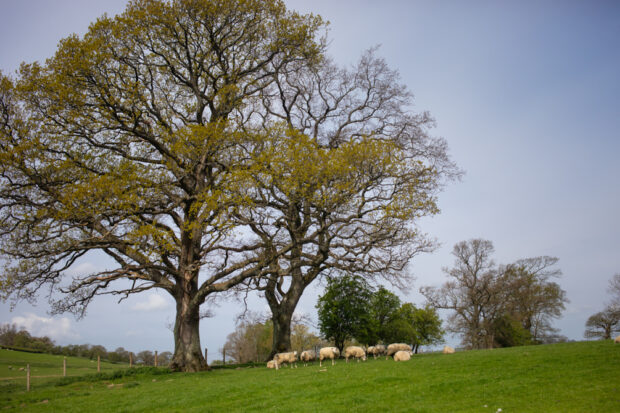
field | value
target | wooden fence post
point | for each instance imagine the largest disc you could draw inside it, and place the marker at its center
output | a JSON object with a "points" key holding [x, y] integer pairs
{"points": [[224, 356], [98, 363], [130, 359], [64, 367], [155, 358], [27, 377], [206, 359]]}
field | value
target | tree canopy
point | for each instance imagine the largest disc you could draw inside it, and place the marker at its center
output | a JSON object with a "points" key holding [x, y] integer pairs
{"points": [[343, 309], [351, 309], [130, 141]]}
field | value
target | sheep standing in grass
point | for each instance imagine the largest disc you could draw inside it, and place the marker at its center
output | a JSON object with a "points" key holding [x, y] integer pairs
{"points": [[394, 347], [402, 355], [354, 351], [307, 356], [290, 357], [372, 350], [617, 340], [448, 350], [377, 350], [328, 353], [381, 349]]}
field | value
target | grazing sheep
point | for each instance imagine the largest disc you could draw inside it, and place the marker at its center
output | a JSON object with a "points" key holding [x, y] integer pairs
{"points": [[271, 364], [448, 350], [307, 355], [394, 347], [376, 350], [354, 351], [328, 353], [617, 340], [381, 348], [290, 357], [372, 350], [402, 355]]}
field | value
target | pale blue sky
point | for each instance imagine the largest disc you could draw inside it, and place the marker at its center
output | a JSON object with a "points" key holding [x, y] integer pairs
{"points": [[527, 94]]}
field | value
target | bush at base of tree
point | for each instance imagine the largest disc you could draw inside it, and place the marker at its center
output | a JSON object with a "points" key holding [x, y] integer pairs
{"points": [[509, 332]]}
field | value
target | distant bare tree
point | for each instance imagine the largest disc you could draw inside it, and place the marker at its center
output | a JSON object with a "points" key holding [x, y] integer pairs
{"points": [[486, 298], [470, 293], [614, 290], [302, 338], [164, 358], [530, 296], [603, 324], [146, 357], [251, 340]]}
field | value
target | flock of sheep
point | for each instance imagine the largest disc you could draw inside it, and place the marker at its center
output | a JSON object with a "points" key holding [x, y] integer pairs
{"points": [[399, 351]]}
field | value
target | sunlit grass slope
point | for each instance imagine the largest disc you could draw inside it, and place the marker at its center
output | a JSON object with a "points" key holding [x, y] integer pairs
{"points": [[44, 368], [571, 377]]}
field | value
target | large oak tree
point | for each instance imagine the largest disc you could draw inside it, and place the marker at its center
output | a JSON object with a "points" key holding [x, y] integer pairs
{"points": [[343, 192], [133, 141]]}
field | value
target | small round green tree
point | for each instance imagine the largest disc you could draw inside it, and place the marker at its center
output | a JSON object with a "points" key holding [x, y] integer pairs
{"points": [[343, 309]]}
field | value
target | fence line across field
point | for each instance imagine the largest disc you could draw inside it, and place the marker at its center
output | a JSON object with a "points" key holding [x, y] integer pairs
{"points": [[30, 376]]}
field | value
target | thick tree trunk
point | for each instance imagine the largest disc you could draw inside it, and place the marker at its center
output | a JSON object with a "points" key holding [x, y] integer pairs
{"points": [[282, 314], [281, 331], [188, 355]]}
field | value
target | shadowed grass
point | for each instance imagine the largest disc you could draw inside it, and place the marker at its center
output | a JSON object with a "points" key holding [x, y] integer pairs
{"points": [[571, 377]]}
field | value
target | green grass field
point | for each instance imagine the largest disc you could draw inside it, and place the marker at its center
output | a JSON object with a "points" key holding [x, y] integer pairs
{"points": [[571, 377], [44, 368]]}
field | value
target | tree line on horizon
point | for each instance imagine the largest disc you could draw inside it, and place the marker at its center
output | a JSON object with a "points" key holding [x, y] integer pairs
{"points": [[12, 337]]}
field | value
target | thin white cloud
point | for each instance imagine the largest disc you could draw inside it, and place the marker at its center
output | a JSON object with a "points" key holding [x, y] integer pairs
{"points": [[54, 328], [82, 269], [134, 333], [153, 302]]}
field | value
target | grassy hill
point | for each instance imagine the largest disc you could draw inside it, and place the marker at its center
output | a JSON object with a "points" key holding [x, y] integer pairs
{"points": [[570, 377], [44, 368]]}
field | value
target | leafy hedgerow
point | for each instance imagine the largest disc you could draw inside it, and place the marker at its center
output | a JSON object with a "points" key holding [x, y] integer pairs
{"points": [[117, 374]]}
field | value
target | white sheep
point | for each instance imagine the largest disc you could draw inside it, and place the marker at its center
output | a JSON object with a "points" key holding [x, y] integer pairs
{"points": [[376, 350], [402, 355], [290, 357], [354, 351], [448, 350], [328, 353], [372, 350], [394, 347], [381, 349], [307, 355], [617, 340], [271, 364]]}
